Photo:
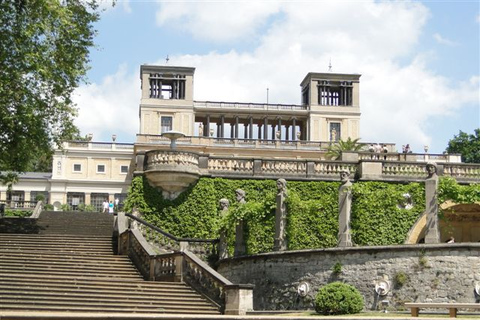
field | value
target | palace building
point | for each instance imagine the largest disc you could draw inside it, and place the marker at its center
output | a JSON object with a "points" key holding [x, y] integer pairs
{"points": [[182, 139]]}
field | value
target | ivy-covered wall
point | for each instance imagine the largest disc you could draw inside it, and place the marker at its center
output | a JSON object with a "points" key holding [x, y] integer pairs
{"points": [[378, 216]]}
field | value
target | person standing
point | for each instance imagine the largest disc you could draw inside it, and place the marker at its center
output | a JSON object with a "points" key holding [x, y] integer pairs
{"points": [[110, 207], [105, 206]]}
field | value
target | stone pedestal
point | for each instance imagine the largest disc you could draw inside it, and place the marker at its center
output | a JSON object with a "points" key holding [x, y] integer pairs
{"points": [[238, 299], [432, 233], [240, 247]]}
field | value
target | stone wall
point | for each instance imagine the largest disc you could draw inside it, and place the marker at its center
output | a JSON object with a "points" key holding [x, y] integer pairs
{"points": [[437, 273]]}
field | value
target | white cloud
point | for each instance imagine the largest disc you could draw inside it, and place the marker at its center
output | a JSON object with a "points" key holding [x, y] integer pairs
{"points": [[110, 107], [444, 41], [216, 21]]}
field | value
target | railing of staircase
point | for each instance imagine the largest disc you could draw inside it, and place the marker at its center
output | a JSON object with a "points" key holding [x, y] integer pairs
{"points": [[156, 263], [164, 242]]}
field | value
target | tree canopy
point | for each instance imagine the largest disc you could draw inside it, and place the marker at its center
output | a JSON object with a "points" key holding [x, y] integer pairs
{"points": [[468, 145], [44, 55], [335, 150]]}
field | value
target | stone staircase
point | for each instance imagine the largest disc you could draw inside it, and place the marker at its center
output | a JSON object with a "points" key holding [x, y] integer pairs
{"points": [[68, 265]]}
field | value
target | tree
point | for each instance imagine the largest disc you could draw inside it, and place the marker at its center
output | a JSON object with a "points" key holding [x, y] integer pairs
{"points": [[44, 53], [335, 150], [468, 145]]}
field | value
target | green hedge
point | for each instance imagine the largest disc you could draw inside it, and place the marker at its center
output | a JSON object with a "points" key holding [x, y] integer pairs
{"points": [[377, 218]]}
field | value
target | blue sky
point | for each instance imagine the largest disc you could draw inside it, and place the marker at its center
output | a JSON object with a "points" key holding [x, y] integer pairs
{"points": [[419, 60]]}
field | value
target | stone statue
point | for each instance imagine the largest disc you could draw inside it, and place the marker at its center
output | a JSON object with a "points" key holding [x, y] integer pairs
{"points": [[333, 135], [432, 233], [344, 206], [240, 247], [240, 194], [222, 245], [281, 217], [200, 130], [432, 170]]}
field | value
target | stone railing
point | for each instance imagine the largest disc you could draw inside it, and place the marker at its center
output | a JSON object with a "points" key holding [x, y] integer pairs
{"points": [[167, 243], [90, 145], [170, 169], [195, 141], [19, 204], [159, 159], [258, 106], [409, 157], [462, 171], [180, 265]]}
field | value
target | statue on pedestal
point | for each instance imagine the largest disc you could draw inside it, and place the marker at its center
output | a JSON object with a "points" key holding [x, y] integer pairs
{"points": [[240, 247], [345, 207], [222, 245], [432, 233], [281, 217]]}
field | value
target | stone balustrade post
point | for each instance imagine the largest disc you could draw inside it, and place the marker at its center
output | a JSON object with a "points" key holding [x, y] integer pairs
{"points": [[238, 299], [179, 268]]}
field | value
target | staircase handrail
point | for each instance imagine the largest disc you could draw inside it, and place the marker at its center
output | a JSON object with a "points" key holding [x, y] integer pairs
{"points": [[169, 235], [184, 266], [38, 209]]}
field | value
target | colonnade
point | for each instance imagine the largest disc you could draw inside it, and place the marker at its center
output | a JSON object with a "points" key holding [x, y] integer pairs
{"points": [[261, 129]]}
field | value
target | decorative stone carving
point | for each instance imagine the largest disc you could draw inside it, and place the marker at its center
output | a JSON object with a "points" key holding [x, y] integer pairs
{"points": [[344, 206], [240, 247], [280, 243], [432, 233], [222, 245]]}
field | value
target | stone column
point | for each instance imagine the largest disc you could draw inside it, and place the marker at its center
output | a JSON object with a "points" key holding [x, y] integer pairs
{"points": [[265, 129], [294, 129], [237, 120], [222, 126], [280, 243], [250, 129], [207, 127], [344, 207], [432, 233], [222, 245], [240, 247]]}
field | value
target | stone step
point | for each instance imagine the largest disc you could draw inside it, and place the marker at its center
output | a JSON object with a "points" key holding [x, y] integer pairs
{"points": [[60, 265], [71, 273], [34, 255], [95, 283], [103, 308], [137, 293], [115, 300]]}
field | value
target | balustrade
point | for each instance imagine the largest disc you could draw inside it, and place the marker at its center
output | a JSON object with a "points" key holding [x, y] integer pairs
{"points": [[284, 167], [230, 165], [333, 168], [462, 171], [404, 169]]}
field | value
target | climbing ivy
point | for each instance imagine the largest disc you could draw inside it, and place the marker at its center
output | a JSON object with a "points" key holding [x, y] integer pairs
{"points": [[449, 189], [377, 217]]}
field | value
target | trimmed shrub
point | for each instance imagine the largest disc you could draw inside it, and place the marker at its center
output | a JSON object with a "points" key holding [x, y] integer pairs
{"points": [[338, 298]]}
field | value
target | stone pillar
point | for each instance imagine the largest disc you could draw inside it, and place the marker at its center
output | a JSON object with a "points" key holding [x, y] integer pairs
{"points": [[280, 128], [273, 132], [265, 129], [245, 131], [207, 127], [240, 247], [432, 233], [294, 129], [280, 243], [222, 245], [237, 120], [344, 206], [238, 299], [250, 129], [222, 126]]}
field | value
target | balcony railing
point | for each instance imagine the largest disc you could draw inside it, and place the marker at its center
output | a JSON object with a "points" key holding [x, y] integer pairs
{"points": [[250, 106]]}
